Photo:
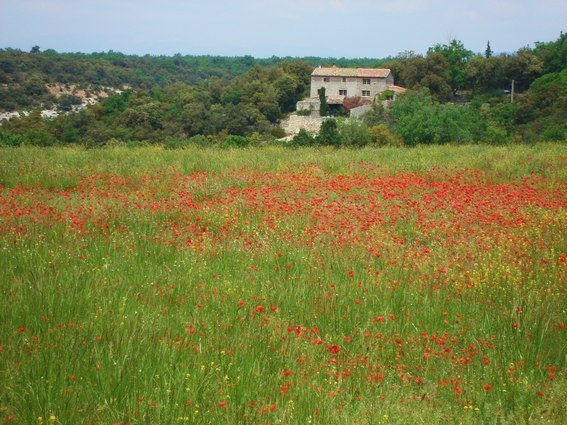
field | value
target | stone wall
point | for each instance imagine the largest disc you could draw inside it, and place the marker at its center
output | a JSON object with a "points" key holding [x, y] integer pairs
{"points": [[294, 123], [354, 86], [312, 104]]}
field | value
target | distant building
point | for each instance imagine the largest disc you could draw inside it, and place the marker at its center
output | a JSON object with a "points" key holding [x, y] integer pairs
{"points": [[342, 83]]}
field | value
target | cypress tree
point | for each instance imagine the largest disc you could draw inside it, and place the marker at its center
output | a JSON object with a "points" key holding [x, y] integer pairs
{"points": [[323, 107]]}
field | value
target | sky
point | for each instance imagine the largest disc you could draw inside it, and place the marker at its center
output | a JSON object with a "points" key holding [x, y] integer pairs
{"points": [[265, 28]]}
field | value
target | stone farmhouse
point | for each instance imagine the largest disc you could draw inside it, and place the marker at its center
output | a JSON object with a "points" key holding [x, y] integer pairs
{"points": [[361, 85]]}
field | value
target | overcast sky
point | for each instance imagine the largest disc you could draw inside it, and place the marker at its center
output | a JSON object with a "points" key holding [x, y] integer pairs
{"points": [[264, 28]]}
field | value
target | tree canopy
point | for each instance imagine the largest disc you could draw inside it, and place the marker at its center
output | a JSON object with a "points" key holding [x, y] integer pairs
{"points": [[453, 96]]}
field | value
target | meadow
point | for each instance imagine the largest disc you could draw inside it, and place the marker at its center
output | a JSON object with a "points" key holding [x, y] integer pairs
{"points": [[281, 286]]}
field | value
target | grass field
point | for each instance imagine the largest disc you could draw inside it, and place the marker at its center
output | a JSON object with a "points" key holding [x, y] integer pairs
{"points": [[279, 286]]}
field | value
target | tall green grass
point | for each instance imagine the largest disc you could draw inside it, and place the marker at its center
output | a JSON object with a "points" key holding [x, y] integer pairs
{"points": [[150, 286]]}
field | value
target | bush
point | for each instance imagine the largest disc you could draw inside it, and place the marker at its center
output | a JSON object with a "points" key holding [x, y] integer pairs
{"points": [[176, 143], [303, 112], [201, 141], [9, 139], [554, 133], [302, 138], [329, 133], [353, 133], [382, 136], [232, 141]]}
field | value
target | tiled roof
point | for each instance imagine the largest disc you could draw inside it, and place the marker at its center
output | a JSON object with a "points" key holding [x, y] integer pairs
{"points": [[397, 89], [351, 72]]}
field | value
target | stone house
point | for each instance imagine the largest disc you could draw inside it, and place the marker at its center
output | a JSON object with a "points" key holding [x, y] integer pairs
{"points": [[365, 84]]}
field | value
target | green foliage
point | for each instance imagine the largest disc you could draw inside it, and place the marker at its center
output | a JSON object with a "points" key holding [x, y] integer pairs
{"points": [[304, 112], [457, 57], [380, 135], [329, 133], [386, 95], [323, 106], [302, 138], [232, 141], [415, 118], [9, 139], [543, 109], [353, 133], [371, 286], [176, 98], [66, 102], [553, 54], [419, 119]]}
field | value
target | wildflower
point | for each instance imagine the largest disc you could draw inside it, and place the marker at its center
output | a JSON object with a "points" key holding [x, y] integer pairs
{"points": [[333, 349], [487, 387]]}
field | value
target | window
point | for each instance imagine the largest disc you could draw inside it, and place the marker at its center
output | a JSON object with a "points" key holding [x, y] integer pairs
{"points": [[344, 79], [342, 93], [326, 79], [366, 81], [366, 93]]}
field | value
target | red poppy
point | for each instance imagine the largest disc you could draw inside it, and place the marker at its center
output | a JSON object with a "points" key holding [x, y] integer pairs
{"points": [[333, 349]]}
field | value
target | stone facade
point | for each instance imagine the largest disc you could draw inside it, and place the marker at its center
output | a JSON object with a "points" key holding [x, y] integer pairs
{"points": [[342, 82]]}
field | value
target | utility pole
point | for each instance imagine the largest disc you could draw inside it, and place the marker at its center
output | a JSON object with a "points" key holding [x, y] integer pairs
{"points": [[512, 92]]}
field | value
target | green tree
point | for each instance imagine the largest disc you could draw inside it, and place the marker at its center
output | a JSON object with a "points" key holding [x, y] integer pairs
{"points": [[553, 54], [353, 132], [488, 51], [484, 75], [456, 56], [415, 118], [329, 133], [323, 106], [523, 68], [302, 138]]}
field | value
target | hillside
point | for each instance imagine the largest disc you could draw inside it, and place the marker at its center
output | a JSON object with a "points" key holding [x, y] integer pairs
{"points": [[453, 95], [25, 77]]}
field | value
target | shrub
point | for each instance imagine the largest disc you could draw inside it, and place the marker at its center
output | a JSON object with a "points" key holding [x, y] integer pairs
{"points": [[329, 133], [554, 133], [176, 143], [354, 133], [302, 138], [304, 112], [9, 139], [232, 141], [200, 140], [382, 136]]}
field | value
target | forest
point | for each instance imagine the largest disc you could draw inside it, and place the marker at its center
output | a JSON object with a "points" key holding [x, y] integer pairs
{"points": [[453, 96]]}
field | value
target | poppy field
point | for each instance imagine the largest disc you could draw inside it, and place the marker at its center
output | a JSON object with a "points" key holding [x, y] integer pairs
{"points": [[279, 286]]}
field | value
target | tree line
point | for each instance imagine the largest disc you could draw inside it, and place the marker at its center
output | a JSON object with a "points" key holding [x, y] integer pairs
{"points": [[453, 96]]}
